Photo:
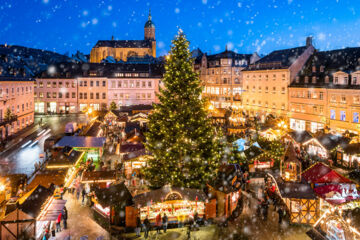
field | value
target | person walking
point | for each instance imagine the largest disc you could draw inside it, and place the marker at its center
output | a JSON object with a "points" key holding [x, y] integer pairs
{"points": [[58, 221], [281, 212], [165, 222], [158, 223], [146, 227], [83, 193], [138, 226], [64, 217]]}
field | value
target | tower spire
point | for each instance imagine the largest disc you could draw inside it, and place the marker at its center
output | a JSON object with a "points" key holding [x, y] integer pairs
{"points": [[149, 17]]}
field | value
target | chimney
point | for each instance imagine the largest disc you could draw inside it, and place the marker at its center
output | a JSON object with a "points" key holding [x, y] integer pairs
{"points": [[309, 41], [112, 37]]}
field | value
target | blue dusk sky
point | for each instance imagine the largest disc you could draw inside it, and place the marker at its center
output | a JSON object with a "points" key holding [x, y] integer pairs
{"points": [[244, 25]]}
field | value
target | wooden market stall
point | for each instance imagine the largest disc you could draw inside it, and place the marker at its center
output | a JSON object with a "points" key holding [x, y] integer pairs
{"points": [[257, 158], [301, 202], [110, 203], [21, 215], [92, 146], [177, 203], [226, 189], [100, 178], [324, 144], [348, 155], [298, 138], [116, 118]]}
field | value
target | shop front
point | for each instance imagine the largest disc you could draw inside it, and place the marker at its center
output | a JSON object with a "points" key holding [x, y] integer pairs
{"points": [[39, 107], [179, 204]]}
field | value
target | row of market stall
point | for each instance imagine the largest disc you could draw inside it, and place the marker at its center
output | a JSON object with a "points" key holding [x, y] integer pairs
{"points": [[343, 149], [316, 194]]}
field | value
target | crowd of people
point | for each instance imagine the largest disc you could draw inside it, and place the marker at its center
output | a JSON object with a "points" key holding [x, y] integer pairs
{"points": [[55, 226]]}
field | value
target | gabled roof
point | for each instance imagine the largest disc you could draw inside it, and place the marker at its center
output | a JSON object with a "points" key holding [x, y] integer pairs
{"points": [[279, 59], [81, 142], [114, 195], [352, 149], [330, 141], [321, 173], [131, 147], [124, 43], [345, 60], [99, 176], [60, 158], [253, 152], [31, 203], [299, 190], [223, 181], [290, 154], [300, 136]]}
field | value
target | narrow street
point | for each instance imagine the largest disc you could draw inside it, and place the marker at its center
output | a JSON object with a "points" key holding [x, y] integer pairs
{"points": [[24, 150]]}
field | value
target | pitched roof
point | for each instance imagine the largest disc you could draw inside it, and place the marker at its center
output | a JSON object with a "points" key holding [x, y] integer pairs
{"points": [[279, 59], [321, 173], [330, 141], [61, 158], [224, 178], [253, 152], [98, 175], [32, 203], [116, 194], [124, 43], [346, 60], [290, 154], [352, 149], [300, 190], [81, 141], [300, 136], [110, 70]]}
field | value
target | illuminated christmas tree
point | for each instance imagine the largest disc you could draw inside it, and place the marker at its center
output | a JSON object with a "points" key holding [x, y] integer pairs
{"points": [[186, 149]]}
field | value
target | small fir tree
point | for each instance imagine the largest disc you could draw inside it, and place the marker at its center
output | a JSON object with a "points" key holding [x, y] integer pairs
{"points": [[186, 149], [8, 115], [113, 106]]}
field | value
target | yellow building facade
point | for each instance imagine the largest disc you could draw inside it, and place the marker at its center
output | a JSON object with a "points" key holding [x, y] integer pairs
{"points": [[121, 50], [266, 82]]}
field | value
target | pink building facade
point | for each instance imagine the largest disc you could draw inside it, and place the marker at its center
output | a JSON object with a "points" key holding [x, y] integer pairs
{"points": [[16, 95], [75, 87], [56, 95], [133, 91]]}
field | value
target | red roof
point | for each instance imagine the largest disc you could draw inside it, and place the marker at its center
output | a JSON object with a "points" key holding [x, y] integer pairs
{"points": [[321, 173], [332, 177]]}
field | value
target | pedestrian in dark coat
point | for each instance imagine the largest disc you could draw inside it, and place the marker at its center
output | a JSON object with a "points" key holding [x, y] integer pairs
{"points": [[138, 226], [165, 222], [146, 227], [83, 193], [65, 216]]}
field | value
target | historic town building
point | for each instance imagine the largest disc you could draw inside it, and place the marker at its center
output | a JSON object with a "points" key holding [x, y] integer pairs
{"points": [[124, 49], [73, 87], [266, 82], [326, 93], [16, 104], [222, 77]]}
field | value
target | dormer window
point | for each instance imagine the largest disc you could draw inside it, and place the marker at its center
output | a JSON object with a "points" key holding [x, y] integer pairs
{"points": [[322, 68], [313, 69], [327, 79], [336, 80], [345, 80], [314, 79], [354, 80], [306, 79], [297, 80]]}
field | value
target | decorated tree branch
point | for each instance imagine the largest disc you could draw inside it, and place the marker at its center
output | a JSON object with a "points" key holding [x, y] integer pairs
{"points": [[186, 149]]}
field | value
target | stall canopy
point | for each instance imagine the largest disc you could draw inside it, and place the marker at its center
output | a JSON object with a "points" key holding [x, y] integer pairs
{"points": [[169, 193], [330, 141], [98, 176], [64, 158], [240, 143], [298, 190], [321, 173], [114, 195], [51, 209], [300, 136], [32, 201], [93, 130], [47, 178], [81, 142]]}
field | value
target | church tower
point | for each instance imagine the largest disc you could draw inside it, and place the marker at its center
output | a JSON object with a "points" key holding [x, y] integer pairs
{"points": [[149, 29]]}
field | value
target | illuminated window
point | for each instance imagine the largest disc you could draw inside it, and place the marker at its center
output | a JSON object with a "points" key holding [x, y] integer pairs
{"points": [[332, 114], [342, 115]]}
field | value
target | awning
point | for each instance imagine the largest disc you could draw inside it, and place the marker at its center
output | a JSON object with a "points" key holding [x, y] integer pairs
{"points": [[51, 210]]}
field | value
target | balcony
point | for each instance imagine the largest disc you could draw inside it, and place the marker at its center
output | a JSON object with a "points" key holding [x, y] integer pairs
{"points": [[4, 122]]}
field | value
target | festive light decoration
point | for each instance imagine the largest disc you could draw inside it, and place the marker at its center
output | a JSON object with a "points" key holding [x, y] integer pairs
{"points": [[186, 148]]}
